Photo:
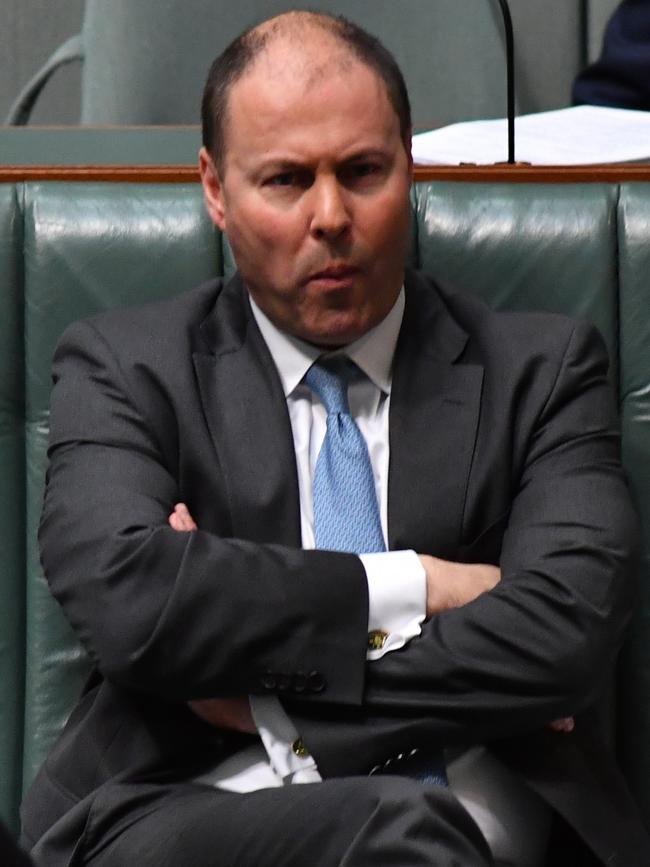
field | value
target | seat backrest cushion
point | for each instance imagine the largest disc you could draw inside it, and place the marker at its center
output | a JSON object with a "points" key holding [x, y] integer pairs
{"points": [[88, 247], [12, 507], [526, 246], [633, 235]]}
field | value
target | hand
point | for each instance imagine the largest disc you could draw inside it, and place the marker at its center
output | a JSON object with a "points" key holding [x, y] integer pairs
{"points": [[229, 713], [181, 520], [452, 585], [566, 725]]}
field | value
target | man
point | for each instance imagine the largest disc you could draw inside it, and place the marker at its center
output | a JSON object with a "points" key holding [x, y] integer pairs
{"points": [[247, 684], [620, 78]]}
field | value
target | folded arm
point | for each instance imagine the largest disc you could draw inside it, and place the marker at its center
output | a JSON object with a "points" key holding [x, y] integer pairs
{"points": [[179, 615], [539, 645]]}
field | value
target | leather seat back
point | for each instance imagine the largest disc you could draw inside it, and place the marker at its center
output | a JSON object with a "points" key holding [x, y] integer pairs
{"points": [[88, 248], [12, 503], [634, 347]]}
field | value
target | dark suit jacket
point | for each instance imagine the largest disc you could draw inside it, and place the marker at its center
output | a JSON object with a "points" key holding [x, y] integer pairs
{"points": [[10, 854], [621, 75], [504, 449]]}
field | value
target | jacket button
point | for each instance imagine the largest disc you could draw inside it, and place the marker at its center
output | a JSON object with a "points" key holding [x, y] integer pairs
{"points": [[299, 682], [299, 748], [268, 680], [376, 639], [284, 682], [315, 681]]}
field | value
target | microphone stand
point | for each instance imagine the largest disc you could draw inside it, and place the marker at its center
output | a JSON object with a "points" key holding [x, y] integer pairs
{"points": [[510, 67]]}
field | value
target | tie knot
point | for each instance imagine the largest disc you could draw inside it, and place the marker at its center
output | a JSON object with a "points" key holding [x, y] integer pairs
{"points": [[330, 379]]}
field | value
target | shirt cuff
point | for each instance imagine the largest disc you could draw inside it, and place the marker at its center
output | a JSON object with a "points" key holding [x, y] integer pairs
{"points": [[397, 597], [288, 755]]}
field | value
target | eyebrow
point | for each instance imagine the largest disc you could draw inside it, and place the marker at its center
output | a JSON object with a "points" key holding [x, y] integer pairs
{"points": [[287, 164]]}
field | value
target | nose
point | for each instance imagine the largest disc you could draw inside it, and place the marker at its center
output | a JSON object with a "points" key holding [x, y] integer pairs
{"points": [[330, 215]]}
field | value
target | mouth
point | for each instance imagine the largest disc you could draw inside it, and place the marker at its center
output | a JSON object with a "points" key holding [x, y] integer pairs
{"points": [[334, 276]]}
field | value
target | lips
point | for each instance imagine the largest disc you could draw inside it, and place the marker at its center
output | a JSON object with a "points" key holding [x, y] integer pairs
{"points": [[335, 274]]}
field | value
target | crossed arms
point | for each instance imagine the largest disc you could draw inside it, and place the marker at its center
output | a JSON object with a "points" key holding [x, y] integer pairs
{"points": [[449, 585], [191, 616]]}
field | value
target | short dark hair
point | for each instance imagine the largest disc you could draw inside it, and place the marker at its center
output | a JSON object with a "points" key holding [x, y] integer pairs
{"points": [[236, 59]]}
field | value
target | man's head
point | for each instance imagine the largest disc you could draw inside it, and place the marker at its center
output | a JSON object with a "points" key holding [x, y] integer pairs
{"points": [[306, 165]]}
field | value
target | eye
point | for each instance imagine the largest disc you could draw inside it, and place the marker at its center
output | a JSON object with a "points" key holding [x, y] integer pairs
{"points": [[363, 172], [291, 178], [284, 179]]}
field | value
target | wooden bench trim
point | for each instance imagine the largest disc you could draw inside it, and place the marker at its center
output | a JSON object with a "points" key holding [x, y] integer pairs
{"points": [[174, 174]]}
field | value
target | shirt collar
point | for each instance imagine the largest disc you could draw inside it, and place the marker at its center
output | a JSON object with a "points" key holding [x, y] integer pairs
{"points": [[373, 352]]}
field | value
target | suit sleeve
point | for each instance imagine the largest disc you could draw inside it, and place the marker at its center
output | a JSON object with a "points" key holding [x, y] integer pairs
{"points": [[542, 643], [179, 615]]}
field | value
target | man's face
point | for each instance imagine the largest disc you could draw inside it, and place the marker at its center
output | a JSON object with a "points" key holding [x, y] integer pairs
{"points": [[314, 193]]}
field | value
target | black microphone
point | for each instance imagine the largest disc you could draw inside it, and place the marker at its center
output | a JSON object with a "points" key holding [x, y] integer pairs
{"points": [[510, 71]]}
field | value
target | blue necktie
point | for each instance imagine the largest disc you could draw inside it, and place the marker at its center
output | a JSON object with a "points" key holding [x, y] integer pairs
{"points": [[346, 513]]}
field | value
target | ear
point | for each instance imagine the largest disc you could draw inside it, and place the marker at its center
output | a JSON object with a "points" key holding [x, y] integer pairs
{"points": [[212, 189], [408, 144]]}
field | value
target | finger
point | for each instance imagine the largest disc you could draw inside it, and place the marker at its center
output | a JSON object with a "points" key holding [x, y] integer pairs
{"points": [[566, 724], [231, 713], [181, 520], [176, 522], [188, 520]]}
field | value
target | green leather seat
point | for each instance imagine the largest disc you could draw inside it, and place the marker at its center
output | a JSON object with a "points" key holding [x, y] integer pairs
{"points": [[634, 348], [526, 246], [88, 247], [12, 505]]}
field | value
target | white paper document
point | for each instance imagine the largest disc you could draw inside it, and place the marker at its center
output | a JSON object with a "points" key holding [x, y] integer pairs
{"points": [[582, 135]]}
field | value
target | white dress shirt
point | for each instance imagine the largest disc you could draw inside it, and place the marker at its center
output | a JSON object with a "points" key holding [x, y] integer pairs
{"points": [[396, 579]]}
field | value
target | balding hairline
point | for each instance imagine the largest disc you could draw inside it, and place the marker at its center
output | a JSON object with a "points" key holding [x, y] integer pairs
{"points": [[353, 43], [297, 28]]}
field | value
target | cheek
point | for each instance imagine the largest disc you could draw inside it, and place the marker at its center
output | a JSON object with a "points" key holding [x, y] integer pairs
{"points": [[389, 240], [266, 256], [250, 244], [388, 221], [273, 238]]}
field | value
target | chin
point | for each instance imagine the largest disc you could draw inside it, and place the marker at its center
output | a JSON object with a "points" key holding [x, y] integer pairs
{"points": [[336, 334]]}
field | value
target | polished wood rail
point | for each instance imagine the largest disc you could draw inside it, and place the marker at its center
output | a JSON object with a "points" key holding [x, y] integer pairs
{"points": [[520, 173]]}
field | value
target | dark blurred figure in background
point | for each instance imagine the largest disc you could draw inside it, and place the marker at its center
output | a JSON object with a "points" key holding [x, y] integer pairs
{"points": [[621, 76], [10, 854]]}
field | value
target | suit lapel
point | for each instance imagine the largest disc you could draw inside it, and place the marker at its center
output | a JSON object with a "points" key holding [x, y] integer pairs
{"points": [[248, 421], [434, 412]]}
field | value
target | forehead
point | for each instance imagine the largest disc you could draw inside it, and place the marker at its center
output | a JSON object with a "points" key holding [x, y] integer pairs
{"points": [[311, 95]]}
